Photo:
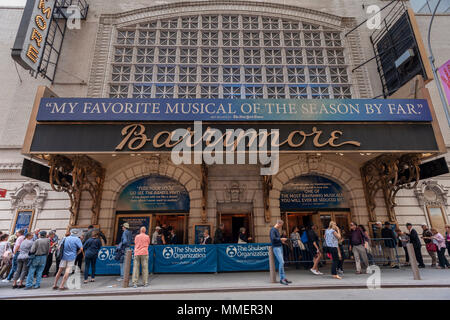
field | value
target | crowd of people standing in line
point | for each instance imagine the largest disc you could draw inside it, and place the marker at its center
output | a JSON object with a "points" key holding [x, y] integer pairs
{"points": [[26, 257], [305, 247]]}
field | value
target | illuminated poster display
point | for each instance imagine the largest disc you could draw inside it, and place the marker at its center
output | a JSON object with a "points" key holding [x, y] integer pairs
{"points": [[311, 192], [154, 193]]}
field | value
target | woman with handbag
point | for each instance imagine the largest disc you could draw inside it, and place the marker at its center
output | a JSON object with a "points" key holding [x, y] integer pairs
{"points": [[439, 241], [429, 245], [22, 261]]}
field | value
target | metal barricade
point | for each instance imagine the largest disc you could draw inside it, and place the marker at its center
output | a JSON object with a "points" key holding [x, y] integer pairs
{"points": [[380, 251]]}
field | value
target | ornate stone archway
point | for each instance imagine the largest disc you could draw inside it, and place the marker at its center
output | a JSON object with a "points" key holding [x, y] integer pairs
{"points": [[117, 180], [323, 166], [30, 195]]}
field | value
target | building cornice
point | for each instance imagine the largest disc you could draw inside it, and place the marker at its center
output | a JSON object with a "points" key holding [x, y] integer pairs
{"points": [[10, 166], [190, 7]]}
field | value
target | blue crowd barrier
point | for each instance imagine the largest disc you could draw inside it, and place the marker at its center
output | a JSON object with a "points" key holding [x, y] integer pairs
{"points": [[194, 258], [107, 265]]}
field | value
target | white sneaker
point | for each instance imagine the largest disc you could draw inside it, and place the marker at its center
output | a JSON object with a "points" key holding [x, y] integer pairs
{"points": [[314, 271], [5, 280], [319, 273]]}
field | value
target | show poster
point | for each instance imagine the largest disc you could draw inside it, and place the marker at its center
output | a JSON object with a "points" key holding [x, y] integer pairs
{"points": [[23, 220], [135, 222], [311, 192], [154, 194], [199, 229]]}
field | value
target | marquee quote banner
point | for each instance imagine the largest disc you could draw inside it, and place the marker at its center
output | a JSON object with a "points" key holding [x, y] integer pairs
{"points": [[102, 109]]}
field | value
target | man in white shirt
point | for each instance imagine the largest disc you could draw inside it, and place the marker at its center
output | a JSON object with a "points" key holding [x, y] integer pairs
{"points": [[155, 235]]}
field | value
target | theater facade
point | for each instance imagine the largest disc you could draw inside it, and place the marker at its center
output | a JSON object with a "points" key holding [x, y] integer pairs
{"points": [[135, 72]]}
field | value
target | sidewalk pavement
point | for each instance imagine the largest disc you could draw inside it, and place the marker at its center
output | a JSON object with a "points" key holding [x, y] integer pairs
{"points": [[234, 281]]}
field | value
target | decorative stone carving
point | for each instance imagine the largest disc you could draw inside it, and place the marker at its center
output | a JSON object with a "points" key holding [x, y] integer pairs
{"points": [[152, 163], [310, 162], [389, 173], [87, 175], [234, 193], [430, 193], [29, 196]]}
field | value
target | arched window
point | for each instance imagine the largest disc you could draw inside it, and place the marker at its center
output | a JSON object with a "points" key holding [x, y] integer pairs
{"points": [[232, 56]]}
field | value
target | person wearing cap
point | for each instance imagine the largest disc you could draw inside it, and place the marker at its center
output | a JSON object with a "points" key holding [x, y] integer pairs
{"points": [[72, 247], [155, 235], [40, 250], [124, 244]]}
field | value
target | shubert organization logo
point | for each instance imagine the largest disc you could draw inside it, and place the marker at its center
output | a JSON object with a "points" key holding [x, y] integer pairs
{"points": [[167, 253], [231, 251]]}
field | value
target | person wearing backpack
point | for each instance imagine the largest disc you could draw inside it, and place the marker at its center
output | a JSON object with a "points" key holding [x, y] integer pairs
{"points": [[305, 255]]}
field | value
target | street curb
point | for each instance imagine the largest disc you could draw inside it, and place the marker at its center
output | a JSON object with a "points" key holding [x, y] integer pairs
{"points": [[132, 291]]}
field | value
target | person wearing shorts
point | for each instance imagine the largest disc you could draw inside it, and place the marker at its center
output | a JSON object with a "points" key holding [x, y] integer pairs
{"points": [[313, 245], [72, 247]]}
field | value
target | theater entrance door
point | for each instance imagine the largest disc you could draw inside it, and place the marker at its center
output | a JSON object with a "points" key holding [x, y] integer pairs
{"points": [[233, 223]]}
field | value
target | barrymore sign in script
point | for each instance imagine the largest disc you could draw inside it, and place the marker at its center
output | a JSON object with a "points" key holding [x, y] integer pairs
{"points": [[94, 109]]}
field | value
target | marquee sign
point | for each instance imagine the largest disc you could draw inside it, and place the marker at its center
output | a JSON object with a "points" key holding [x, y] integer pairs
{"points": [[32, 34], [336, 110], [293, 137]]}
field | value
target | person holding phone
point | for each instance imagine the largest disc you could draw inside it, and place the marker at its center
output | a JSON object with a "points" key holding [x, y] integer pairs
{"points": [[332, 237], [277, 245]]}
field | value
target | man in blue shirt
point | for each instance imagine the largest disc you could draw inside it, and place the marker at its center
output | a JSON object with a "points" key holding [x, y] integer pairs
{"points": [[277, 245], [125, 243], [72, 247]]}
